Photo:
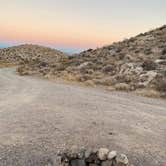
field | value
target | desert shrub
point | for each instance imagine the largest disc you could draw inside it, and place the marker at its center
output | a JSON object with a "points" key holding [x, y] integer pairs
{"points": [[60, 67], [148, 51], [122, 86], [43, 64], [108, 69], [84, 77], [89, 83], [22, 70], [163, 56], [161, 84], [164, 73], [127, 78], [164, 51], [149, 65], [68, 76], [148, 93], [105, 81], [121, 56]]}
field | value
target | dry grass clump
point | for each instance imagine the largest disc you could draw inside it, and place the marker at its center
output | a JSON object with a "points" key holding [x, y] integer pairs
{"points": [[122, 87], [5, 64], [161, 84], [89, 83], [148, 93], [23, 70]]}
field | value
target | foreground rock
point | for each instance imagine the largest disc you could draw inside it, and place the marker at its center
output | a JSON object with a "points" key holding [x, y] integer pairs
{"points": [[101, 157]]}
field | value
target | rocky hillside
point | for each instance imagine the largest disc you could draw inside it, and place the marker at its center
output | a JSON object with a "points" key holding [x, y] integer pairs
{"points": [[137, 64], [133, 64], [32, 55]]}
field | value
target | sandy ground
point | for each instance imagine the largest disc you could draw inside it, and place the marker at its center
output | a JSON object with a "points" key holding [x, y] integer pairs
{"points": [[38, 118]]}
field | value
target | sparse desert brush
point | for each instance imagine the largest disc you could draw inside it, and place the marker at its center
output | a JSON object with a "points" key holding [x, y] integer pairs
{"points": [[148, 93], [5, 64], [161, 84], [105, 81], [122, 87], [68, 76], [149, 65], [22, 70], [89, 83], [164, 51], [108, 69]]}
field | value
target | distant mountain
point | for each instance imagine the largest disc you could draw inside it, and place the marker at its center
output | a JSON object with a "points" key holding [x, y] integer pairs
{"points": [[65, 50], [70, 51], [4, 45]]}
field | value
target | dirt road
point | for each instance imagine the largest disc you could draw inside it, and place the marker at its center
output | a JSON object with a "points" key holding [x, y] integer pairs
{"points": [[38, 118]]}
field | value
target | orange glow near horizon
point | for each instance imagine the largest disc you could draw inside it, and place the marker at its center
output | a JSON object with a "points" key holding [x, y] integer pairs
{"points": [[76, 24], [50, 38]]}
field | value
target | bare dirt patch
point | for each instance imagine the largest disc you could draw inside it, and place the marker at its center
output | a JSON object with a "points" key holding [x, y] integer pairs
{"points": [[38, 118]]}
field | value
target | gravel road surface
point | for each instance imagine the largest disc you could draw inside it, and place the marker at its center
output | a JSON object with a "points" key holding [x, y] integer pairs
{"points": [[38, 118]]}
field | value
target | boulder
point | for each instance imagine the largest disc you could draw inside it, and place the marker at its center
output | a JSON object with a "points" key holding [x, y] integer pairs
{"points": [[106, 163], [122, 160], [112, 155], [78, 162], [103, 153]]}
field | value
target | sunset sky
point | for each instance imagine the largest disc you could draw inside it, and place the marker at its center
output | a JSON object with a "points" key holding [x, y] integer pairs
{"points": [[77, 24]]}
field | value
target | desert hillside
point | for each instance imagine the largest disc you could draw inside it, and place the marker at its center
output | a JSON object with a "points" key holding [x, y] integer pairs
{"points": [[30, 54], [133, 64], [136, 64]]}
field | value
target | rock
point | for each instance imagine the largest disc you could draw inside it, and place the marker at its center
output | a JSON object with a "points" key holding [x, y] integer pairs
{"points": [[102, 153], [114, 162], [93, 164], [122, 160], [108, 68], [161, 61], [83, 65], [65, 159], [65, 164], [71, 154], [149, 65], [78, 162], [81, 154], [163, 51], [93, 158], [112, 155], [106, 163], [49, 164], [160, 83], [88, 153], [163, 56], [147, 77], [57, 161]]}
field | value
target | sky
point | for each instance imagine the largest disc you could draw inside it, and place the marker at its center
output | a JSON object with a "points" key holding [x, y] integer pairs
{"points": [[75, 25]]}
